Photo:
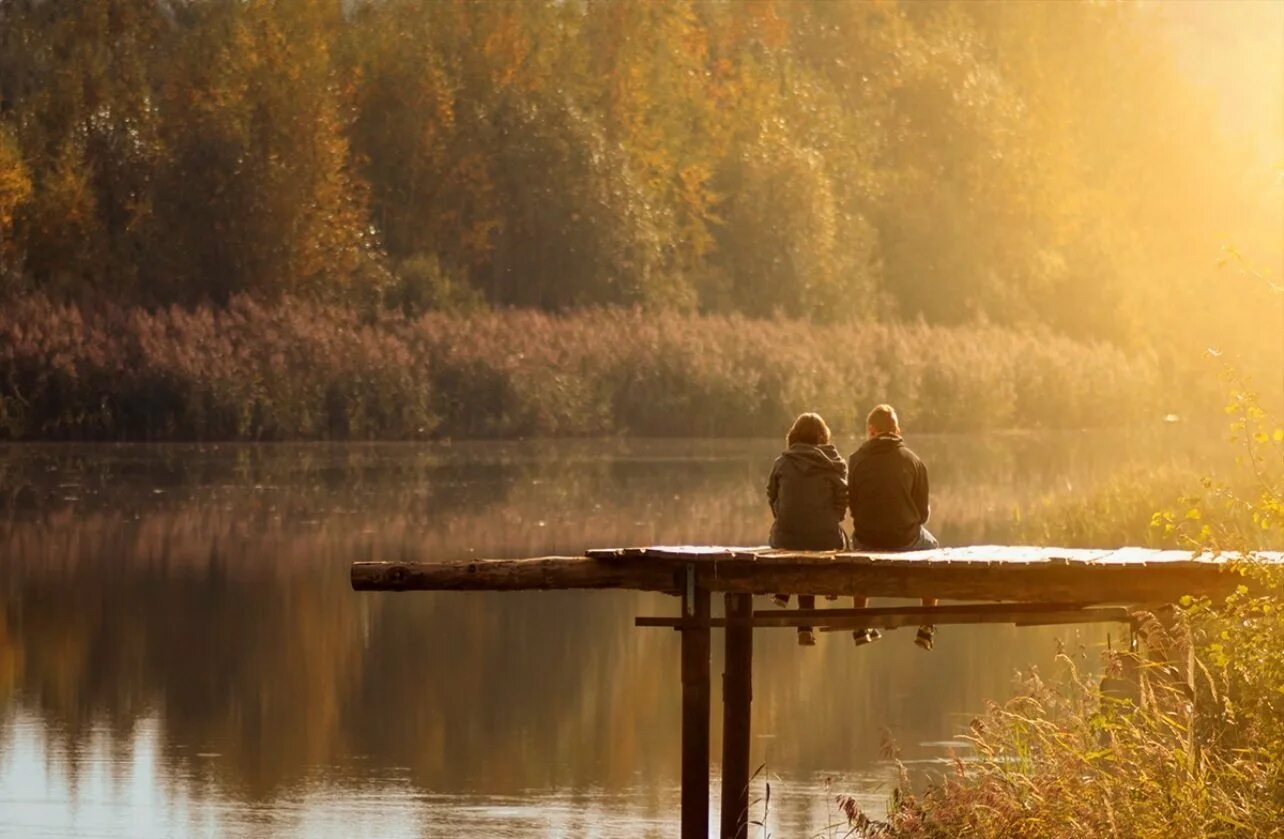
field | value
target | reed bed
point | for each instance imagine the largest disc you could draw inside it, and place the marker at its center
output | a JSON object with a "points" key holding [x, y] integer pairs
{"points": [[1067, 757], [294, 369], [1186, 739]]}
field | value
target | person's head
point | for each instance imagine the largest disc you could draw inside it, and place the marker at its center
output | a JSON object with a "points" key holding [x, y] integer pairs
{"points": [[882, 420], [809, 428]]}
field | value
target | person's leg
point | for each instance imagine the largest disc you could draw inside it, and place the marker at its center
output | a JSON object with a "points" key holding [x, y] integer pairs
{"points": [[925, 541], [806, 634], [926, 632], [866, 635], [859, 601]]}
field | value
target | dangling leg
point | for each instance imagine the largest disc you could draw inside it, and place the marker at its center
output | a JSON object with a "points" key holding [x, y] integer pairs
{"points": [[864, 636], [927, 631], [806, 634]]}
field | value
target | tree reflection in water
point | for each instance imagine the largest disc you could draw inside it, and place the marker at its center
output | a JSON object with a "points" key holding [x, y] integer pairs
{"points": [[197, 597]]}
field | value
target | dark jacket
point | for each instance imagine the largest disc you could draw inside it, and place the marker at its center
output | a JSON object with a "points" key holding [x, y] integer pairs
{"points": [[887, 492], [807, 491]]}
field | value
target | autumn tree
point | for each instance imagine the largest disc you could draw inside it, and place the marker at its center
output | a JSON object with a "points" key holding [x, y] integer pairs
{"points": [[77, 93], [15, 190], [258, 190], [1050, 164]]}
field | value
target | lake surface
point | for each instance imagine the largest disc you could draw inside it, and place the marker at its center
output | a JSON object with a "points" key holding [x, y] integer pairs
{"points": [[181, 654]]}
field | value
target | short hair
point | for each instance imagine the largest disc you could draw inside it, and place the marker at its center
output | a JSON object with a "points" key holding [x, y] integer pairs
{"points": [[809, 428], [883, 419]]}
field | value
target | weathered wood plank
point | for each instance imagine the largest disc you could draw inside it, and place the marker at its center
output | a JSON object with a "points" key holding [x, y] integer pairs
{"points": [[679, 553], [1017, 555], [1055, 575], [1034, 583], [891, 619], [1104, 614], [1130, 556]]}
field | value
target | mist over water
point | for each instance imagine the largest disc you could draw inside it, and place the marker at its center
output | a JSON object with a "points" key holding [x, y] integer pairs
{"points": [[181, 654]]}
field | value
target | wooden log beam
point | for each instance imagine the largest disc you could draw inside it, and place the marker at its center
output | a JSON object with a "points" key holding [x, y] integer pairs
{"points": [[944, 616], [538, 574], [925, 612], [1106, 614]]}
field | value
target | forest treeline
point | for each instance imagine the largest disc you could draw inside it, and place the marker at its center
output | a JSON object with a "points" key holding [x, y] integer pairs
{"points": [[1049, 162], [1032, 166]]}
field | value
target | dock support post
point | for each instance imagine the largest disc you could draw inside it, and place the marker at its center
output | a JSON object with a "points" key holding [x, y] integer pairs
{"points": [[737, 695], [695, 708]]}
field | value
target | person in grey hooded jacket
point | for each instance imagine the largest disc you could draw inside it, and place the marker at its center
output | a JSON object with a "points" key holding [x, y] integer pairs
{"points": [[807, 491]]}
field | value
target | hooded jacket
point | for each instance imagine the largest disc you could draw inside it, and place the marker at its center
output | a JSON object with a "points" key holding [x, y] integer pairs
{"points": [[807, 491], [887, 492]]}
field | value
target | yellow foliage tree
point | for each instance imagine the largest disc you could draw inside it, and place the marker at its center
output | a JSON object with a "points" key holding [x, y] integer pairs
{"points": [[15, 187]]}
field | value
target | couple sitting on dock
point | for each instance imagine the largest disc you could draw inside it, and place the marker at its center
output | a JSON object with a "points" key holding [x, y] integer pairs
{"points": [[885, 486]]}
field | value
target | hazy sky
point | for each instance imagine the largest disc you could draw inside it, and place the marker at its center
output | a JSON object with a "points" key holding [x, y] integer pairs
{"points": [[1236, 48]]}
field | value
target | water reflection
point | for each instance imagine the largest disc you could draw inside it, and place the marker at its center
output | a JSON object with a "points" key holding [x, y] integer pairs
{"points": [[180, 651]]}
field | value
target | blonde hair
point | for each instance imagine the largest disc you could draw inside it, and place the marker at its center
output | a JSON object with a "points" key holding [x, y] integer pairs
{"points": [[809, 428], [883, 420]]}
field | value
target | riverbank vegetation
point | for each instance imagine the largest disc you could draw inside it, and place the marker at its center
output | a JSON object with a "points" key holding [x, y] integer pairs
{"points": [[1161, 507], [1202, 757], [1065, 758], [1029, 174], [297, 369]]}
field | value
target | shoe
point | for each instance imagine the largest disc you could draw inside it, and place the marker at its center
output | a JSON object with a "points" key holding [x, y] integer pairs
{"points": [[781, 600], [806, 637], [924, 637], [866, 636]]}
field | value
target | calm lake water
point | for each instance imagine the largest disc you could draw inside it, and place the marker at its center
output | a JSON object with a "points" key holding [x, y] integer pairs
{"points": [[181, 654]]}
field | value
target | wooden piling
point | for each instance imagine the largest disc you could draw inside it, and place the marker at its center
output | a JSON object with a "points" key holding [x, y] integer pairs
{"points": [[695, 709], [737, 694]]}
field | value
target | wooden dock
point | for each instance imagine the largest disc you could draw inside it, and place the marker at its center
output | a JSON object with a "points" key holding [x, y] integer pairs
{"points": [[1025, 586]]}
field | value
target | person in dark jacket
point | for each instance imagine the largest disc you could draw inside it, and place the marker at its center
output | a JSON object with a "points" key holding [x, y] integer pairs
{"points": [[887, 491], [807, 491]]}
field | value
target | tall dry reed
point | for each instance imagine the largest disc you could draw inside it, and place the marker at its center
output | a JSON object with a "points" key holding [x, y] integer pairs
{"points": [[296, 369]]}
